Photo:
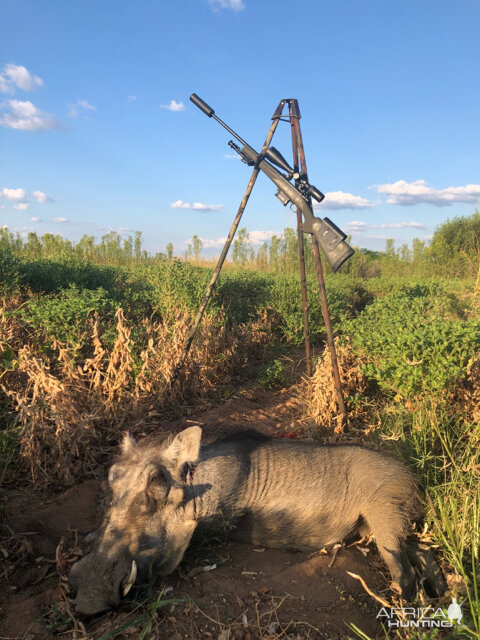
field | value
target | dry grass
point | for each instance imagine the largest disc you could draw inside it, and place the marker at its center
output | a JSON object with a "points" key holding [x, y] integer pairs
{"points": [[317, 395], [69, 411], [466, 398]]}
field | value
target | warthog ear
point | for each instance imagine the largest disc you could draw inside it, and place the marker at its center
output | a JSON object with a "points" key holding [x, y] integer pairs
{"points": [[184, 448]]}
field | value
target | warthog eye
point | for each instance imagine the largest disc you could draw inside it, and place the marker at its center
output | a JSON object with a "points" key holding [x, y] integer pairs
{"points": [[158, 485]]}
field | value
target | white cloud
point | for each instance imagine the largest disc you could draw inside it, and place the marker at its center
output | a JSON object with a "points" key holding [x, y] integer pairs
{"points": [[180, 204], [234, 5], [5, 87], [131, 98], [255, 237], [80, 106], [35, 219], [212, 243], [199, 206], [60, 220], [259, 237], [416, 192], [16, 76], [25, 116], [41, 197], [355, 226], [401, 225], [174, 106], [340, 200], [19, 197], [13, 194], [23, 231], [196, 206], [358, 226], [231, 156]]}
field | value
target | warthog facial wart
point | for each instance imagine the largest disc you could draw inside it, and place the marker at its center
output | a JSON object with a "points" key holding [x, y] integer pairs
{"points": [[269, 492]]}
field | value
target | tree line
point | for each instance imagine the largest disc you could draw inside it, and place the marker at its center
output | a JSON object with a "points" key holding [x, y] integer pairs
{"points": [[453, 251]]}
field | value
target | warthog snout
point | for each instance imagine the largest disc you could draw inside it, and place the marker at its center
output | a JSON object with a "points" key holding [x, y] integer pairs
{"points": [[99, 583]]}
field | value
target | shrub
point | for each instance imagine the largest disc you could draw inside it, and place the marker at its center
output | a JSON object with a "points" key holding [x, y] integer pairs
{"points": [[9, 265], [414, 343], [66, 316], [48, 275], [272, 374], [346, 297]]}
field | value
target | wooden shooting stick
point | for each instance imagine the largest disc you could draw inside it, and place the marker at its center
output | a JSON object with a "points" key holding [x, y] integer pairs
{"points": [[298, 153], [222, 257]]}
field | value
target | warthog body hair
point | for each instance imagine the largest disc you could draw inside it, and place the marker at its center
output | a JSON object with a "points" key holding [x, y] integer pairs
{"points": [[269, 491]]}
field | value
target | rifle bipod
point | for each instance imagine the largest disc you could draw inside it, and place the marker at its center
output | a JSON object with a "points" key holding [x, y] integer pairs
{"points": [[325, 233]]}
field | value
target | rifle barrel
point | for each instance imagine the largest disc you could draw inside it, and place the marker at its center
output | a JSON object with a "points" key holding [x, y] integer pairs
{"points": [[207, 110]]}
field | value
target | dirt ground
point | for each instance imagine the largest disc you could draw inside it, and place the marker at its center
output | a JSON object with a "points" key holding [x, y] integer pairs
{"points": [[222, 589]]}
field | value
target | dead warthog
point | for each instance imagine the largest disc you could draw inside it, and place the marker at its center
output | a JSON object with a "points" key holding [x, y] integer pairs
{"points": [[272, 492]]}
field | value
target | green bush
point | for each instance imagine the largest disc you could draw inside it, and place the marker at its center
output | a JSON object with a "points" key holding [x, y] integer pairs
{"points": [[66, 315], [272, 374], [242, 293], [346, 296], [146, 290], [416, 342], [9, 265], [48, 275]]}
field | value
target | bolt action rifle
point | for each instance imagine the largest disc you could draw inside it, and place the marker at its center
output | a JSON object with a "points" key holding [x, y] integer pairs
{"points": [[330, 238]]}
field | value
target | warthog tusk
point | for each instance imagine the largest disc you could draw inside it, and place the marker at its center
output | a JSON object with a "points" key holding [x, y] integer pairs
{"points": [[131, 579]]}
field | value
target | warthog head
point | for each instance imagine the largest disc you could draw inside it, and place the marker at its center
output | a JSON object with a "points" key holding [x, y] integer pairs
{"points": [[150, 519]]}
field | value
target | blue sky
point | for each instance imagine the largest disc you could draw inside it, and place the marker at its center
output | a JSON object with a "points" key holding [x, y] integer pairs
{"points": [[97, 131]]}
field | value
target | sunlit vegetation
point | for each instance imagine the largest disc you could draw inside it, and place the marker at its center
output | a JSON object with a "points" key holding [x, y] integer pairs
{"points": [[90, 333]]}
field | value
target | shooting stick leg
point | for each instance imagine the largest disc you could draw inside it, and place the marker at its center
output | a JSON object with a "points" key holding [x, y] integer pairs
{"points": [[299, 148], [222, 257], [294, 114], [303, 282], [342, 426]]}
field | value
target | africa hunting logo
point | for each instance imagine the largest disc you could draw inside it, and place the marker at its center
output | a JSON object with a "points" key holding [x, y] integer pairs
{"points": [[421, 617]]}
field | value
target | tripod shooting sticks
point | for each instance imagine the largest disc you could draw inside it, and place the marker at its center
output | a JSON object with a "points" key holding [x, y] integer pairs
{"points": [[324, 232]]}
